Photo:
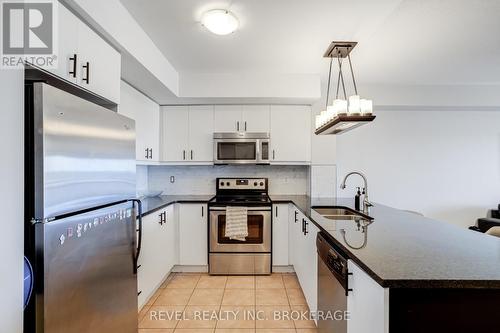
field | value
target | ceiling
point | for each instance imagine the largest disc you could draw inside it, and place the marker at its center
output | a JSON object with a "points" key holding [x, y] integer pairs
{"points": [[404, 42]]}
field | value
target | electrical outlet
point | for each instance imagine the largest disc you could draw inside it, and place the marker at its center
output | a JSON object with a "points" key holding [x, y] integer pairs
{"points": [[172, 179]]}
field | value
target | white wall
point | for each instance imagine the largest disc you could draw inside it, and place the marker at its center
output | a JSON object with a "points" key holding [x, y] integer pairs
{"points": [[11, 196], [444, 164], [201, 179]]}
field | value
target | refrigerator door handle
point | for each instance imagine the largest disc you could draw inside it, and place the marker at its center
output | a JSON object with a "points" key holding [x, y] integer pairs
{"points": [[139, 230]]}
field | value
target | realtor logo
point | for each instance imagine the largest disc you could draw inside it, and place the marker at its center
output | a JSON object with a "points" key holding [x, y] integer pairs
{"points": [[28, 33]]}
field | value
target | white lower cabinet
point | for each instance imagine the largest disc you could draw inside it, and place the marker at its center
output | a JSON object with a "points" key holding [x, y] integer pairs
{"points": [[308, 276], [193, 234], [303, 255], [280, 235], [158, 251], [367, 303]]}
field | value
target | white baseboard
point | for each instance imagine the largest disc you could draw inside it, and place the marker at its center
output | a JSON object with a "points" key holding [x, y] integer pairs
{"points": [[204, 269], [283, 269], [190, 269]]}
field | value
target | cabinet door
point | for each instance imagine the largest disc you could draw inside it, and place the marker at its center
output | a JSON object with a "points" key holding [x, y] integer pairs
{"points": [[228, 118], [256, 118], [290, 133], [150, 272], [193, 234], [293, 234], [146, 114], [280, 235], [170, 251], [367, 303], [175, 134], [201, 131], [99, 64], [68, 44], [310, 284]]}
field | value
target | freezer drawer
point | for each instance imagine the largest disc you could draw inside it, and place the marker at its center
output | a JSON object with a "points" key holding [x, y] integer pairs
{"points": [[89, 282]]}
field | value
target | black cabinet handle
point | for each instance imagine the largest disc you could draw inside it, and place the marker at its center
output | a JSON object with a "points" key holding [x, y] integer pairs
{"points": [[245, 126], [183, 155], [191, 154], [305, 227], [161, 218], [74, 59], [165, 217], [150, 153], [238, 126], [147, 153], [296, 216], [87, 69], [276, 211], [347, 289], [139, 266], [202, 211], [140, 292]]}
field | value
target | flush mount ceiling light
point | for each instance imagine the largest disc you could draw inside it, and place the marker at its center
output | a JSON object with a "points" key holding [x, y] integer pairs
{"points": [[220, 21], [347, 113]]}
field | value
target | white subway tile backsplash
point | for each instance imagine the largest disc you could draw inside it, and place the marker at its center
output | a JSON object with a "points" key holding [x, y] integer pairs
{"points": [[201, 179]]}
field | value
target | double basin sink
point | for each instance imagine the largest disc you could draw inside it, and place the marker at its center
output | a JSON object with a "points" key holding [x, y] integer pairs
{"points": [[340, 213]]}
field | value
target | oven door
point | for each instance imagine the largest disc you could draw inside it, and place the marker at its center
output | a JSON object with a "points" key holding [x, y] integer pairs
{"points": [[241, 151], [259, 231]]}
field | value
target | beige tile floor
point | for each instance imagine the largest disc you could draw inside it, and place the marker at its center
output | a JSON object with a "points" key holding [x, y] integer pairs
{"points": [[227, 302]]}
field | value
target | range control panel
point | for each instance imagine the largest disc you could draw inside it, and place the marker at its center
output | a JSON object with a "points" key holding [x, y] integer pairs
{"points": [[242, 184]]}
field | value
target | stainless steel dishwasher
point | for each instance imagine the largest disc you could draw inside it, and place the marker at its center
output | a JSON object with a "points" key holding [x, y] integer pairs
{"points": [[332, 288]]}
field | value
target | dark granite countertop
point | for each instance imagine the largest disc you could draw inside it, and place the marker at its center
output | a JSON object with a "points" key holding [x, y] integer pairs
{"points": [[151, 205], [405, 250]]}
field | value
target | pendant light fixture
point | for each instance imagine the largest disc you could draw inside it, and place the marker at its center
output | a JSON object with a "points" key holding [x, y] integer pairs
{"points": [[347, 113]]}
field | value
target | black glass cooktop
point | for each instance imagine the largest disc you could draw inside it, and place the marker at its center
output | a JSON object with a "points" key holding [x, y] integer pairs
{"points": [[241, 200]]}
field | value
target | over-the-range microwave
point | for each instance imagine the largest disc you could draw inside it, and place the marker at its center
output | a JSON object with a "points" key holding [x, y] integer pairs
{"points": [[241, 148]]}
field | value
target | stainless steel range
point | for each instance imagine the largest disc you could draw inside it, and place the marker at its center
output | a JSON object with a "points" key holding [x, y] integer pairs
{"points": [[253, 255]]}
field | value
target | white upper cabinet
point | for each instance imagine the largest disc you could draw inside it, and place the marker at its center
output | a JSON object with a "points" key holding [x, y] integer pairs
{"points": [[187, 134], [290, 134], [201, 133], [99, 65], [242, 118], [228, 118], [146, 114], [86, 59], [175, 134], [255, 118], [67, 66]]}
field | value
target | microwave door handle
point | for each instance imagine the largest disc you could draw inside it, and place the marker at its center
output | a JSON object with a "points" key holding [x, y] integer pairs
{"points": [[258, 156]]}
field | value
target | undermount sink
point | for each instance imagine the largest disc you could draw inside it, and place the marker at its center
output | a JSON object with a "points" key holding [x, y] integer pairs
{"points": [[340, 213]]}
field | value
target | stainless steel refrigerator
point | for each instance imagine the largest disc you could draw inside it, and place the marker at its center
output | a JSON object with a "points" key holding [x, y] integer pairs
{"points": [[81, 228]]}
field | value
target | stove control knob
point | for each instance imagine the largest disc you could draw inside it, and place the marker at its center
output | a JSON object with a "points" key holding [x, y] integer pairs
{"points": [[261, 184], [255, 184], [227, 183], [221, 183]]}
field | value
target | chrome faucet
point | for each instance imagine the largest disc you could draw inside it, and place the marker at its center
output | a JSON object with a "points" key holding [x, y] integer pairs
{"points": [[366, 203]]}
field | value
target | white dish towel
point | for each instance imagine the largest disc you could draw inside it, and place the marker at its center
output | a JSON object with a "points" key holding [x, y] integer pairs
{"points": [[236, 223]]}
